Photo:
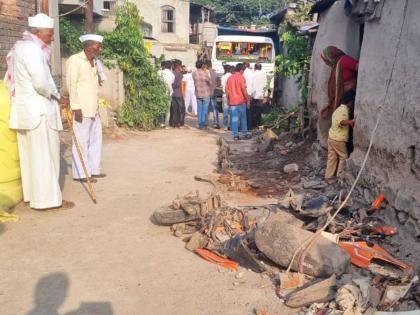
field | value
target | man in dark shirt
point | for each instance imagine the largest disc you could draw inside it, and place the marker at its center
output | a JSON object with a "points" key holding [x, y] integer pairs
{"points": [[177, 115], [202, 91], [213, 103]]}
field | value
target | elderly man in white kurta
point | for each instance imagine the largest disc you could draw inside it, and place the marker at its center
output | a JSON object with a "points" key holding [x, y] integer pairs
{"points": [[83, 78], [35, 114]]}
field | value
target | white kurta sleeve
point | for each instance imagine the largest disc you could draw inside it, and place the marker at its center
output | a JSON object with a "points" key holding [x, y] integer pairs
{"points": [[72, 68], [34, 63]]}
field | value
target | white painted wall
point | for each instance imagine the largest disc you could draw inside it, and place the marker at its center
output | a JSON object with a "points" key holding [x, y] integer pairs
{"points": [[290, 96], [150, 10]]}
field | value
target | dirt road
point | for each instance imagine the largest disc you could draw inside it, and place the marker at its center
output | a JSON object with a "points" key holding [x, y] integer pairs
{"points": [[110, 258]]}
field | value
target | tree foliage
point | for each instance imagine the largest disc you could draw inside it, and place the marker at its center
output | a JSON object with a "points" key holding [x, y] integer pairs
{"points": [[297, 55], [296, 61], [145, 93], [69, 37], [241, 12], [146, 98]]}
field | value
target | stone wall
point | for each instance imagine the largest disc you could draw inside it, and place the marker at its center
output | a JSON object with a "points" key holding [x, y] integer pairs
{"points": [[390, 55], [13, 21]]}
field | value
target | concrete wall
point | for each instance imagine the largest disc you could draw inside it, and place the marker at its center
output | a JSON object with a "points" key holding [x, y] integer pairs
{"points": [[290, 96], [208, 33], [394, 163], [151, 13], [338, 30], [186, 53], [13, 21]]}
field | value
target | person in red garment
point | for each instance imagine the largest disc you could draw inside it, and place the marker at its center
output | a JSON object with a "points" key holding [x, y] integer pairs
{"points": [[343, 76]]}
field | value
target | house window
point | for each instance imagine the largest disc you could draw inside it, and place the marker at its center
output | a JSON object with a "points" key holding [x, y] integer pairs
{"points": [[147, 29], [168, 19], [107, 5]]}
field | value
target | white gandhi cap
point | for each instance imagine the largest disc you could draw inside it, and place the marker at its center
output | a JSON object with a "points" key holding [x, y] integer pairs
{"points": [[92, 37], [41, 20]]}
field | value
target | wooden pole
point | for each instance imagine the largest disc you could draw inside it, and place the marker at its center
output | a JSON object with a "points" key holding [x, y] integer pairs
{"points": [[89, 16], [44, 7], [69, 118]]}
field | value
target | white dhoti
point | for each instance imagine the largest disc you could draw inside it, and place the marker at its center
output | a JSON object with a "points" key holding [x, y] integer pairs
{"points": [[89, 137], [39, 154], [190, 100]]}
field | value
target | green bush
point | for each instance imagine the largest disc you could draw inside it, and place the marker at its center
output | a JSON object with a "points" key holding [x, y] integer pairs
{"points": [[146, 98], [297, 60], [145, 93], [69, 37]]}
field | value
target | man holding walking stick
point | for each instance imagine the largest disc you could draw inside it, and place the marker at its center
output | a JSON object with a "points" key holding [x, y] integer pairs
{"points": [[84, 75]]}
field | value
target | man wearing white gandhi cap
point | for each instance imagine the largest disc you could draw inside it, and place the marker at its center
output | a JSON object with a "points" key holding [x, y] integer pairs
{"points": [[35, 114], [84, 75]]}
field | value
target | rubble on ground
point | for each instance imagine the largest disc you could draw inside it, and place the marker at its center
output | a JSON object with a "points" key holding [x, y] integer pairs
{"points": [[319, 262]]}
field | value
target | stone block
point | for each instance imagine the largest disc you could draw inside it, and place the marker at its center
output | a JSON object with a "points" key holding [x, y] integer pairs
{"points": [[279, 241], [290, 168], [403, 202], [412, 227]]}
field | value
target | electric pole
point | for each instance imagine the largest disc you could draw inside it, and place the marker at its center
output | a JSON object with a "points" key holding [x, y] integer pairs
{"points": [[89, 16]]}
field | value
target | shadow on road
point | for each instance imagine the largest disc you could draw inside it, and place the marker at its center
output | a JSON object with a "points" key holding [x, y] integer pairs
{"points": [[51, 292]]}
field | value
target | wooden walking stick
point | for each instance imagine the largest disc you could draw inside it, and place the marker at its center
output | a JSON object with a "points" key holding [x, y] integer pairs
{"points": [[69, 118]]}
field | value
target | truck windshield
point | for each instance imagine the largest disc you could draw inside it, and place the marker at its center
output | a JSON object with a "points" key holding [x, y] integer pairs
{"points": [[244, 51]]}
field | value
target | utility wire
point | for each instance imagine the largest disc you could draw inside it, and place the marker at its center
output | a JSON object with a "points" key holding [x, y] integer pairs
{"points": [[311, 241]]}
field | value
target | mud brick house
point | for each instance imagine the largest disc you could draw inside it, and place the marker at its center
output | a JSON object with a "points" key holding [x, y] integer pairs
{"points": [[385, 36]]}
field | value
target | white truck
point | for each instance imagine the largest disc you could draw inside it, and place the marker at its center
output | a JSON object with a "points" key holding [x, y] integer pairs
{"points": [[233, 49]]}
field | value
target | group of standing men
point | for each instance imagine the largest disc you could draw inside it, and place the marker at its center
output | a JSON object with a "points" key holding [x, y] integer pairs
{"points": [[35, 111], [245, 93], [186, 91], [244, 90]]}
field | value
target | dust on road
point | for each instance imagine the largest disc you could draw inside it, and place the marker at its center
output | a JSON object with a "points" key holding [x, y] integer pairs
{"points": [[109, 258]]}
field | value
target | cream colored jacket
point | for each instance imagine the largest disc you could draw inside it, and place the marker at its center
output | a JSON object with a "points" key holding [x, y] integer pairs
{"points": [[82, 85]]}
